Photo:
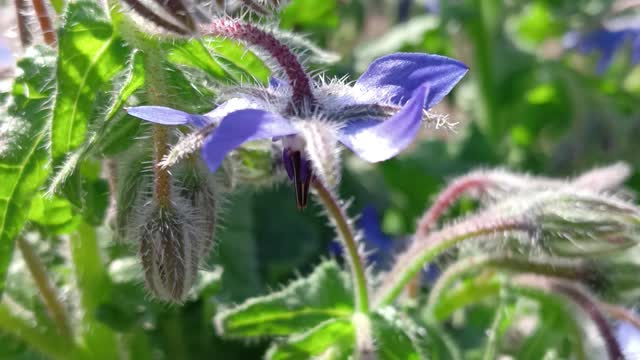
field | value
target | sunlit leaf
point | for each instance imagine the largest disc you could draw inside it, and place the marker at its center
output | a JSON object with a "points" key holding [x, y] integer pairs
{"points": [[23, 154], [303, 304], [332, 339], [90, 54]]}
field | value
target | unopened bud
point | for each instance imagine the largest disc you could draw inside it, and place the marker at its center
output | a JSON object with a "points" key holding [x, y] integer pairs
{"points": [[174, 240], [170, 254]]}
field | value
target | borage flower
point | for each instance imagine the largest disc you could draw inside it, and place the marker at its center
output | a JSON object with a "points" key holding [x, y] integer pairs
{"points": [[607, 41], [377, 117]]}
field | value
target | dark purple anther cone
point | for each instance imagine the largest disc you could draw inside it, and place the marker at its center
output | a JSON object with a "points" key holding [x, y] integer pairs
{"points": [[300, 172]]}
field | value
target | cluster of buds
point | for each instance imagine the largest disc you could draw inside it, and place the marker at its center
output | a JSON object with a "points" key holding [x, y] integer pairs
{"points": [[173, 239]]}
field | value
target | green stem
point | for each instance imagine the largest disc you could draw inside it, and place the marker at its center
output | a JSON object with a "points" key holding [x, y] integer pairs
{"points": [[347, 234], [48, 343], [94, 286], [425, 249], [481, 31], [473, 264], [491, 349], [481, 290], [45, 288]]}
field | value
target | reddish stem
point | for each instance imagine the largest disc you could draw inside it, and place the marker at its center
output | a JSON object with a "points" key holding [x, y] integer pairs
{"points": [[21, 15], [298, 79], [45, 22], [452, 193]]}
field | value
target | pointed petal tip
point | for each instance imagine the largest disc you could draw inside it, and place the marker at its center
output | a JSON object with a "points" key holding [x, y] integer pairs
{"points": [[398, 75]]}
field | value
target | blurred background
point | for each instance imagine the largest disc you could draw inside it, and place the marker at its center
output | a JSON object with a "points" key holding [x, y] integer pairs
{"points": [[552, 89]]}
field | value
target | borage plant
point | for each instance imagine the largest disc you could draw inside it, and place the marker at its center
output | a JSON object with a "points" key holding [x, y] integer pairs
{"points": [[239, 92]]}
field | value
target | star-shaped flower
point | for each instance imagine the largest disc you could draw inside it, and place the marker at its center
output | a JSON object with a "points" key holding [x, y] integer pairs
{"points": [[377, 117]]}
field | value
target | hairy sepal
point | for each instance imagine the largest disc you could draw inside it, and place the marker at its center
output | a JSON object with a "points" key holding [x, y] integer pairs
{"points": [[323, 150]]}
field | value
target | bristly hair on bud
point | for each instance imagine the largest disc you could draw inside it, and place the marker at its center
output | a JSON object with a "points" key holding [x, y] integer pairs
{"points": [[169, 254], [493, 185], [174, 240]]}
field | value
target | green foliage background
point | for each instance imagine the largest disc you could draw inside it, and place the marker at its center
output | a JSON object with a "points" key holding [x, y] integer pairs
{"points": [[525, 105]]}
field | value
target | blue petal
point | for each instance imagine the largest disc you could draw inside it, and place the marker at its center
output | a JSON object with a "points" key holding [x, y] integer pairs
{"points": [[167, 116], [601, 40], [369, 222], [635, 48], [276, 83], [399, 75], [376, 141], [628, 337], [239, 127]]}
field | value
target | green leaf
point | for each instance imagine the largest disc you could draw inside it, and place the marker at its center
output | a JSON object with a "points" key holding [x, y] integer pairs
{"points": [[237, 250], [88, 192], [310, 14], [332, 339], [392, 339], [323, 295], [408, 33], [114, 133], [243, 64], [193, 53], [90, 54], [55, 214], [23, 154]]}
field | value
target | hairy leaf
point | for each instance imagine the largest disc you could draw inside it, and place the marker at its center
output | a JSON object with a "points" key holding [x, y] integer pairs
{"points": [[114, 133], [90, 54], [23, 154], [241, 63], [332, 339], [391, 336], [303, 304]]}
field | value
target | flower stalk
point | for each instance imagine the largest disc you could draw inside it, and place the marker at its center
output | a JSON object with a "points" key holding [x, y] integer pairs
{"points": [[22, 9], [583, 301], [298, 80], [347, 235], [46, 25], [45, 288], [425, 249], [565, 269]]}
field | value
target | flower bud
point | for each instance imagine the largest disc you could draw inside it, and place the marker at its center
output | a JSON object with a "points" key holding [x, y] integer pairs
{"points": [[173, 240], [170, 254]]}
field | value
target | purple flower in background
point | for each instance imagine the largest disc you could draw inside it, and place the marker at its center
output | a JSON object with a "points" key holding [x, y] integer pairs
{"points": [[606, 42], [628, 337], [377, 117]]}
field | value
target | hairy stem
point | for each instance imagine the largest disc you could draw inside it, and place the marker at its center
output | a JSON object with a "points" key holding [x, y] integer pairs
{"points": [[162, 177], [95, 288], [298, 80], [446, 198], [22, 8], [347, 235], [255, 7], [565, 269], [13, 321], [45, 22], [148, 14], [45, 288], [491, 349], [583, 301], [423, 250]]}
